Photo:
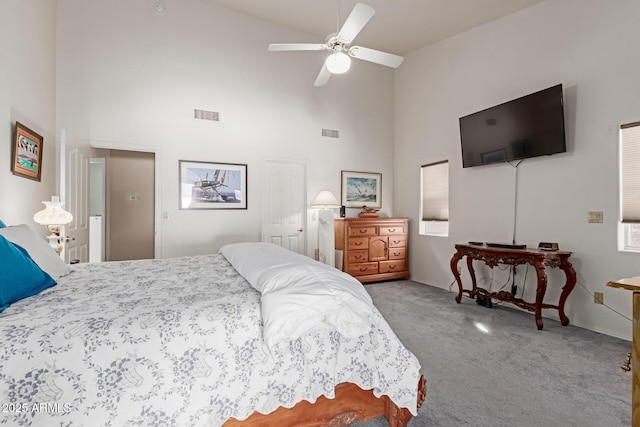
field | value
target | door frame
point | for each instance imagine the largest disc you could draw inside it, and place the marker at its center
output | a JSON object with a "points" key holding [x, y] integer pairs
{"points": [[157, 210]]}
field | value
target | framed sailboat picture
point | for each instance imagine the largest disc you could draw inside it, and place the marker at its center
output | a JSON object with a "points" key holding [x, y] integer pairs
{"points": [[209, 185]]}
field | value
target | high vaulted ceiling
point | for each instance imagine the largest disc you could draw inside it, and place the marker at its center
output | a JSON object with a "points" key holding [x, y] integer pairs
{"points": [[399, 26]]}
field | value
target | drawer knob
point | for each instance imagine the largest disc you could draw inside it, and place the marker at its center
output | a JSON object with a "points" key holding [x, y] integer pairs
{"points": [[392, 267], [396, 254], [395, 242], [363, 269], [358, 257], [392, 230], [362, 231], [358, 243]]}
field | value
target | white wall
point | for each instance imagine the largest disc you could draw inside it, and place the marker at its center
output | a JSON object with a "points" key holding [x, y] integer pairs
{"points": [[129, 76], [27, 95], [587, 45]]}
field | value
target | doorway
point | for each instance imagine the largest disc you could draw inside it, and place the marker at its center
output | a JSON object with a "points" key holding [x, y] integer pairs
{"points": [[130, 202], [97, 208]]}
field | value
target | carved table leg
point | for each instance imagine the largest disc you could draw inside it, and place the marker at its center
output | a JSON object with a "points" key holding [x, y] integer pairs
{"points": [[472, 273], [454, 269], [540, 291], [566, 290]]}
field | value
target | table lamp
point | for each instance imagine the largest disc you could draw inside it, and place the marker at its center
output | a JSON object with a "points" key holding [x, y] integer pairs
{"points": [[53, 217], [325, 201]]}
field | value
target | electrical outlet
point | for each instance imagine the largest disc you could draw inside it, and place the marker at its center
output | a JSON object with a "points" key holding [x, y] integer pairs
{"points": [[594, 217], [598, 298]]}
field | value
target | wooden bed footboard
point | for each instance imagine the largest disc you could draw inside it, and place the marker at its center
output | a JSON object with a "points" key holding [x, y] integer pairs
{"points": [[350, 404]]}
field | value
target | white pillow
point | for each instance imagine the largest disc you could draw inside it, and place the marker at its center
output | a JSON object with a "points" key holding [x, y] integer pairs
{"points": [[39, 250]]}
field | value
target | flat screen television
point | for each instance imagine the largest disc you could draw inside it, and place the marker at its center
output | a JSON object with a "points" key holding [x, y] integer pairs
{"points": [[530, 126]]}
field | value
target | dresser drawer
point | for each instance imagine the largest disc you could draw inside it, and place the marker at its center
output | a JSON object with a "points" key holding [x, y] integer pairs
{"points": [[363, 269], [362, 231], [397, 253], [358, 243], [391, 230], [397, 241], [358, 256], [392, 266]]}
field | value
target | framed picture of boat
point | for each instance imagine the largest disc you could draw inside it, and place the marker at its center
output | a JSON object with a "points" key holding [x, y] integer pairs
{"points": [[361, 189], [210, 185], [26, 153]]}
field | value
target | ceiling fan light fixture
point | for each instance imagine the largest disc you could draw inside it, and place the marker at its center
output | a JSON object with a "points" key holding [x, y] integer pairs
{"points": [[339, 46], [338, 63]]}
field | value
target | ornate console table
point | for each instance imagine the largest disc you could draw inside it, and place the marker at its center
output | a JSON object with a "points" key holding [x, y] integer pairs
{"points": [[538, 259]]}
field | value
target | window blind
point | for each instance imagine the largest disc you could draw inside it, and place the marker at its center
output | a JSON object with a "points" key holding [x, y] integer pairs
{"points": [[630, 172], [435, 191]]}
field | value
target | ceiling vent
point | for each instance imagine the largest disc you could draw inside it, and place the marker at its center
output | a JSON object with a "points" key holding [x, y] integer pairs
{"points": [[206, 115], [331, 133]]}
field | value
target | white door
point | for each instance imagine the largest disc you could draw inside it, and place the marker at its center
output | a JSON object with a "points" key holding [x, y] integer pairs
{"points": [[74, 191], [285, 204]]}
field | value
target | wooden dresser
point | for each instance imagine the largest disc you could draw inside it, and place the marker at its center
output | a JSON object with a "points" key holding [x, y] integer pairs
{"points": [[374, 248], [633, 284]]}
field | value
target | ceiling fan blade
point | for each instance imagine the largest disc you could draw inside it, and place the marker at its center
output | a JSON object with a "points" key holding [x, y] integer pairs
{"points": [[273, 47], [360, 15], [323, 76], [377, 56]]}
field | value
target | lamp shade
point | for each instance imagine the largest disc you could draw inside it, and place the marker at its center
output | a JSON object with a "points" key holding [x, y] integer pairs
{"points": [[53, 214], [338, 63], [325, 200]]}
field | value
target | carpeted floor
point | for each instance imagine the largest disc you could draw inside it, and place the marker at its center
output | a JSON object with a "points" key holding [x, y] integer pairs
{"points": [[512, 376]]}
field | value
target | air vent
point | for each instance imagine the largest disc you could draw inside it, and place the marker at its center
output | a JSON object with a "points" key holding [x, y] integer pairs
{"points": [[206, 115], [331, 133]]}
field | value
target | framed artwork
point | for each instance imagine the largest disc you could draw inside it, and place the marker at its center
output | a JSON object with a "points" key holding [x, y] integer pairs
{"points": [[209, 185], [361, 188], [26, 153]]}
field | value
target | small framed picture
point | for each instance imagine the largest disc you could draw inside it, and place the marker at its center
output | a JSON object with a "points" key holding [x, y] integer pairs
{"points": [[210, 185], [26, 153], [361, 189]]}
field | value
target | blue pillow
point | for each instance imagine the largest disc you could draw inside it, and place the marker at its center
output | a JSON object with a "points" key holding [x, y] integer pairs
{"points": [[20, 277], [2, 224]]}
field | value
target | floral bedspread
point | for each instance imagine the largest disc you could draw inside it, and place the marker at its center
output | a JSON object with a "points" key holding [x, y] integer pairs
{"points": [[174, 342]]}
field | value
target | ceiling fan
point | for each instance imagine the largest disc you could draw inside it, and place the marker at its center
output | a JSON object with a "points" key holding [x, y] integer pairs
{"points": [[339, 43]]}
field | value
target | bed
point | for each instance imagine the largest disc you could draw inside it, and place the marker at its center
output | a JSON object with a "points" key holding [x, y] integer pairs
{"points": [[191, 342]]}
